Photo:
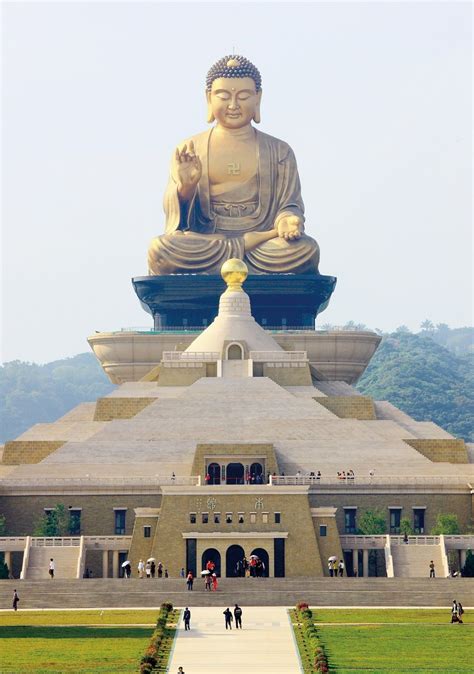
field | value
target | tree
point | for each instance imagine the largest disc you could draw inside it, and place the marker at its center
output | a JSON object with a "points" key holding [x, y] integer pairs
{"points": [[403, 328], [468, 568], [3, 525], [406, 527], [447, 524], [53, 523], [427, 326], [372, 522]]}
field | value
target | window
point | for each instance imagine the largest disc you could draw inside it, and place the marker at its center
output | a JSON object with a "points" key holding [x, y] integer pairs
{"points": [[350, 520], [241, 518], [75, 521], [395, 515], [192, 518], [265, 518], [323, 530], [120, 522], [277, 518], [253, 518], [228, 518], [205, 518], [419, 520], [217, 518], [146, 532]]}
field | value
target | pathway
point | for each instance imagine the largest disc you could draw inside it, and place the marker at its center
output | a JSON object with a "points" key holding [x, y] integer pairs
{"points": [[264, 645]]}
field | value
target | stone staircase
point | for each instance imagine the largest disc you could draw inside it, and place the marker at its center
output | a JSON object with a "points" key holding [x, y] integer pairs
{"points": [[65, 560], [413, 561], [109, 592]]}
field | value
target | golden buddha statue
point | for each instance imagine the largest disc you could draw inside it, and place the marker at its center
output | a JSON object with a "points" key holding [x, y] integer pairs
{"points": [[234, 192]]}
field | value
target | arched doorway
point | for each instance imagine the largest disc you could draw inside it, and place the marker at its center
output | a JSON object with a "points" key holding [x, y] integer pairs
{"points": [[256, 470], [212, 555], [233, 557], [235, 473], [214, 471], [235, 352], [263, 554]]}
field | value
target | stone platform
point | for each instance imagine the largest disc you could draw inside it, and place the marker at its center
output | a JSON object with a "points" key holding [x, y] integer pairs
{"points": [[180, 300], [336, 355]]}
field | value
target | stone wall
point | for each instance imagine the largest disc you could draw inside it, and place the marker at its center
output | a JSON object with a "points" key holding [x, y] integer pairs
{"points": [[349, 407], [451, 450], [29, 451], [120, 408]]}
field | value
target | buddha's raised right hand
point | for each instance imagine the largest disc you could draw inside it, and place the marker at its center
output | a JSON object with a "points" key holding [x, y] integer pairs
{"points": [[186, 170]]}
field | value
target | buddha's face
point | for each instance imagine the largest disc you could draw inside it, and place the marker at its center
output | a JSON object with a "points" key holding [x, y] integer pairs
{"points": [[234, 101]]}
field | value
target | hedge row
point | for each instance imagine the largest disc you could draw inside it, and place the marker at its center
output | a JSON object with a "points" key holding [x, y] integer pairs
{"points": [[318, 654], [152, 654]]}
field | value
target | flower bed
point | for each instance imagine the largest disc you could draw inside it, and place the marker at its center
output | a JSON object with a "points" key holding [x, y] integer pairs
{"points": [[157, 653], [312, 653]]}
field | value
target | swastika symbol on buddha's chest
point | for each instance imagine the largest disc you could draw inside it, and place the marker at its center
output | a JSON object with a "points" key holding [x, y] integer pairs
{"points": [[233, 168]]}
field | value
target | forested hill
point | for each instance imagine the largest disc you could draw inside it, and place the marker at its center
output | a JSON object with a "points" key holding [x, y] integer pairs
{"points": [[425, 380], [414, 372], [30, 393]]}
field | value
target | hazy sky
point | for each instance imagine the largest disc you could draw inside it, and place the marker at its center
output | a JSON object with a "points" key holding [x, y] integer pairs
{"points": [[374, 98]]}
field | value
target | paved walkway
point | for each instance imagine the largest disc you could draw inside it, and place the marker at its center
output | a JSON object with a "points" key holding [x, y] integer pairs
{"points": [[264, 645]]}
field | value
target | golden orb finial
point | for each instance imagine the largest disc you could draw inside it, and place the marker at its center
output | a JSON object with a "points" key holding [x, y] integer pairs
{"points": [[234, 272], [233, 63]]}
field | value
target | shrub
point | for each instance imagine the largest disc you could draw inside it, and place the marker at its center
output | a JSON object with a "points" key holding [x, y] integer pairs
{"points": [[302, 606]]}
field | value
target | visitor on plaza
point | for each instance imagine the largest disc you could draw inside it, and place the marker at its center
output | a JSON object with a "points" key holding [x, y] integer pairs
{"points": [[51, 568], [187, 619], [341, 568], [182, 573], [127, 570], [238, 617], [330, 568], [214, 582], [160, 570], [190, 580], [148, 569], [228, 618], [167, 575], [141, 568], [432, 570], [153, 568], [15, 600]]}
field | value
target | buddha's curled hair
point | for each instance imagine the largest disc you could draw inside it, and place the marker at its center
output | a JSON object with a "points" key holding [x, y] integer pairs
{"points": [[233, 66]]}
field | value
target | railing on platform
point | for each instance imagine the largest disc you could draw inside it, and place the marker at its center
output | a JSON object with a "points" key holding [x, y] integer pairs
{"points": [[382, 480], [55, 541], [459, 542], [12, 543], [183, 356], [94, 481], [278, 356], [415, 540]]}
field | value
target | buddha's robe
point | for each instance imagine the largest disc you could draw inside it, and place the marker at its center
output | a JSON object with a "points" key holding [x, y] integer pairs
{"points": [[201, 236]]}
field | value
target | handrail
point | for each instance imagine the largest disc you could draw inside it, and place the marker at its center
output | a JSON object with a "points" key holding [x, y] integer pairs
{"points": [[388, 558], [81, 559], [156, 480], [26, 558], [313, 480], [55, 541], [415, 540]]}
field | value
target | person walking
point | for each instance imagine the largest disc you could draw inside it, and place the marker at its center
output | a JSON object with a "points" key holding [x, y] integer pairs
{"points": [[214, 582], [148, 570], [460, 611], [181, 670], [190, 580], [238, 617], [141, 568], [432, 570], [330, 568], [228, 618], [454, 612], [160, 570], [187, 619], [181, 573], [153, 568], [127, 570], [341, 568], [335, 568], [16, 599], [51, 568]]}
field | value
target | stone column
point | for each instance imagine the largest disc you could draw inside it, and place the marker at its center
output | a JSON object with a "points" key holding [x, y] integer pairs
{"points": [[365, 563], [8, 560], [463, 557], [115, 560], [105, 563], [355, 561]]}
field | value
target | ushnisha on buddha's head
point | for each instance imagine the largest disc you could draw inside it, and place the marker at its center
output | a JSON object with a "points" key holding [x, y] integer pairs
{"points": [[234, 92]]}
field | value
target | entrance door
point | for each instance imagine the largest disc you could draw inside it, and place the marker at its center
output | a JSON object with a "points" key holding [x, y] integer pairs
{"points": [[214, 471], [235, 473], [263, 555], [234, 352], [233, 557], [256, 473], [212, 555]]}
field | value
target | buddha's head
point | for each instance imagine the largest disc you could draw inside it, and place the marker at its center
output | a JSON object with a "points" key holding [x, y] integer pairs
{"points": [[234, 92]]}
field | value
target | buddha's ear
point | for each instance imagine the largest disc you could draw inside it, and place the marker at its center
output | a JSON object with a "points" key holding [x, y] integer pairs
{"points": [[210, 114], [256, 117]]}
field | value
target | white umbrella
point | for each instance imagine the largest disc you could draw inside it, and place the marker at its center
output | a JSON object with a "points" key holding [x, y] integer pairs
{"points": [[333, 558], [205, 572], [254, 557], [152, 559], [126, 563]]}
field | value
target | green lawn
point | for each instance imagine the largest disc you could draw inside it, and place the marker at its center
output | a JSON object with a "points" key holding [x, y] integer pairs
{"points": [[399, 649], [71, 649], [427, 644], [80, 617]]}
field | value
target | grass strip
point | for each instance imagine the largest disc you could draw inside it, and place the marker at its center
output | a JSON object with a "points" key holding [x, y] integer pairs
{"points": [[80, 617], [389, 615]]}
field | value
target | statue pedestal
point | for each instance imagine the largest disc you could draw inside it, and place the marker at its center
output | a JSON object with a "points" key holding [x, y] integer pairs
{"points": [[192, 300]]}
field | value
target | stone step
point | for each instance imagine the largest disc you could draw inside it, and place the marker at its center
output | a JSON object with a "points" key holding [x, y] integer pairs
{"points": [[109, 593]]}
